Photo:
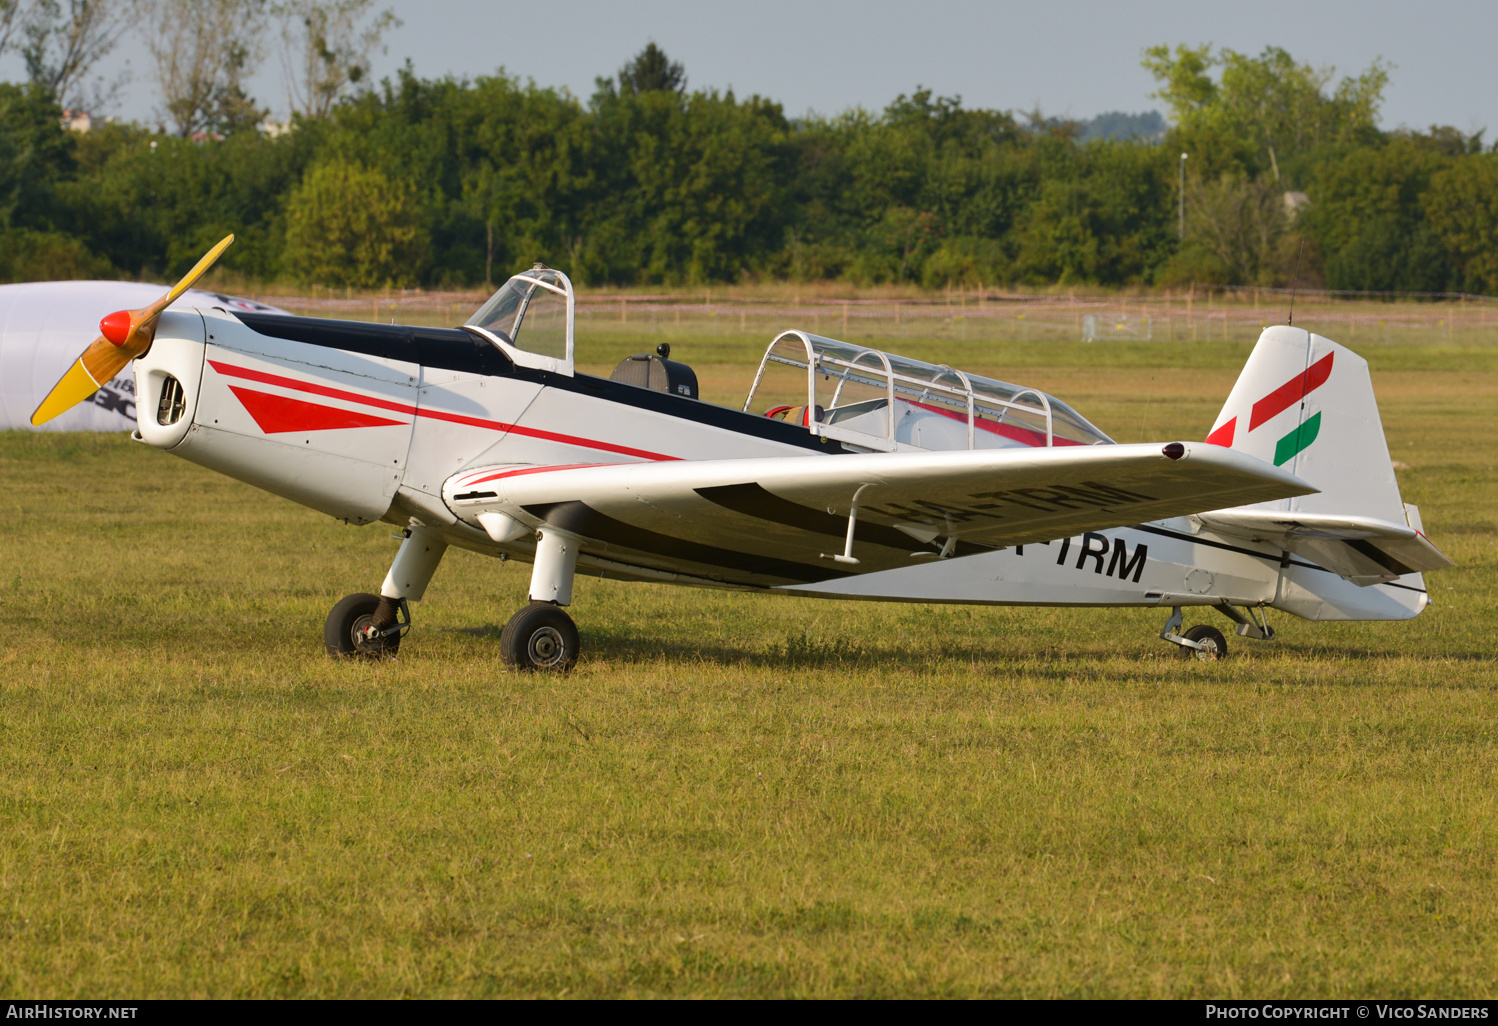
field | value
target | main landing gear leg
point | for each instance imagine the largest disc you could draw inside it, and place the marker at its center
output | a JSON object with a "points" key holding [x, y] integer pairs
{"points": [[541, 636], [373, 625], [1200, 642]]}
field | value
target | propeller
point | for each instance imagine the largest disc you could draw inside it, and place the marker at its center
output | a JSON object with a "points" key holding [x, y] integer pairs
{"points": [[123, 335]]}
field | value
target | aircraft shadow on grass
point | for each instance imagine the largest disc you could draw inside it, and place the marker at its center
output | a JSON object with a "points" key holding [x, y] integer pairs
{"points": [[637, 646]]}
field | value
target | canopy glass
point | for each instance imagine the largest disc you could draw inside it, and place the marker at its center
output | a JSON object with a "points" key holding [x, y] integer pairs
{"points": [[856, 394], [530, 318]]}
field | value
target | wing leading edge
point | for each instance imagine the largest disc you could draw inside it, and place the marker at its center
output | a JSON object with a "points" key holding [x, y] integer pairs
{"points": [[770, 521]]}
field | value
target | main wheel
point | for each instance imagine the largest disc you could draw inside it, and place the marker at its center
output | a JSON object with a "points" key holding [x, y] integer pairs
{"points": [[539, 637], [346, 632], [1215, 646]]}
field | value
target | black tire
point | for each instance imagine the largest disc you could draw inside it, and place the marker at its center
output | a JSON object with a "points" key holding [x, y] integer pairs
{"points": [[351, 615], [1211, 637], [540, 637]]}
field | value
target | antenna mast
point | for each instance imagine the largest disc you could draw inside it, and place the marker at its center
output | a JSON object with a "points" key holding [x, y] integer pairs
{"points": [[1296, 280]]}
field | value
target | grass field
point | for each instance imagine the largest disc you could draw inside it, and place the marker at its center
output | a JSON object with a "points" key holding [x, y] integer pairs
{"points": [[734, 795]]}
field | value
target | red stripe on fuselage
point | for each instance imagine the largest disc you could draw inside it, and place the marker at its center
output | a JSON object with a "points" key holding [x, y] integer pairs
{"points": [[1292, 391], [531, 470], [279, 414], [267, 378], [1027, 436], [306, 386]]}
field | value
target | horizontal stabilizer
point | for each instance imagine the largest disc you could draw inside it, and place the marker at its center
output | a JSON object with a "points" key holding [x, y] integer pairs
{"points": [[1365, 550]]}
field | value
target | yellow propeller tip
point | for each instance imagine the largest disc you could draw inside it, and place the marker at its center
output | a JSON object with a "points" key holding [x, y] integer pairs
{"points": [[74, 387]]}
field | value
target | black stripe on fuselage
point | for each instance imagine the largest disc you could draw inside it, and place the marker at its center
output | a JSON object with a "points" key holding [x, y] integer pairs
{"points": [[581, 519], [458, 350], [447, 348], [1211, 544], [755, 501]]}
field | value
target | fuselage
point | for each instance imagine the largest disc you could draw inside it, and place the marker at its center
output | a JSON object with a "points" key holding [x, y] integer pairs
{"points": [[370, 422]]}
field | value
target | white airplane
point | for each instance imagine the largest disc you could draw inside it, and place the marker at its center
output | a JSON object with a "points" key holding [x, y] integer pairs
{"points": [[848, 472]]}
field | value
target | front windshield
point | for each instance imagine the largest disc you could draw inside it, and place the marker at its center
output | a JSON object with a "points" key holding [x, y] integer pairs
{"points": [[498, 315], [528, 312]]}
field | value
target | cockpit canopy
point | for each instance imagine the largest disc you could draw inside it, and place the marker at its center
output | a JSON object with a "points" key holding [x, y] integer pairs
{"points": [[530, 318], [881, 401]]}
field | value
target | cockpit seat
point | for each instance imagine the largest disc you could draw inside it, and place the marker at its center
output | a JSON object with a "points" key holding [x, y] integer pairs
{"points": [[802, 415], [657, 372]]}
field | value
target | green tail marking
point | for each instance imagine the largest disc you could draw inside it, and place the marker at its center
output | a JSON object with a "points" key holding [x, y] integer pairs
{"points": [[1297, 441]]}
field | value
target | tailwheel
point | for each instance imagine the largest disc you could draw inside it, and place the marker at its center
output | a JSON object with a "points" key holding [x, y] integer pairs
{"points": [[1213, 645], [365, 625], [539, 637]]}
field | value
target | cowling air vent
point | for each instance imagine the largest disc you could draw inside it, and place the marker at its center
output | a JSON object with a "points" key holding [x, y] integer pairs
{"points": [[173, 402]]}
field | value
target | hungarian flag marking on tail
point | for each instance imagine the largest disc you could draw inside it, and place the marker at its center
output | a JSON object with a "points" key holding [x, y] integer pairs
{"points": [[1277, 402]]}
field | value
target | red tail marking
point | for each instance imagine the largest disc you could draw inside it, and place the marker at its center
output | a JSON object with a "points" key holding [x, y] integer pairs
{"points": [[276, 414], [1223, 436], [1292, 391]]}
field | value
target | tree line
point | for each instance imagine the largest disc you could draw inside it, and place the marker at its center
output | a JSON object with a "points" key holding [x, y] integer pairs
{"points": [[454, 182]]}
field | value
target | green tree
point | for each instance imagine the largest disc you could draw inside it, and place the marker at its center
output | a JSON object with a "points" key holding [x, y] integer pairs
{"points": [[1241, 223], [682, 188], [1185, 78], [36, 160], [1368, 218], [1262, 110], [452, 181], [35, 154], [652, 71], [1102, 217], [1462, 207], [349, 225], [153, 203], [925, 191]]}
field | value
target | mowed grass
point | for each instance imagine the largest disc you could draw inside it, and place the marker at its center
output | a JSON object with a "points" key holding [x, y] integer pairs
{"points": [[733, 795]]}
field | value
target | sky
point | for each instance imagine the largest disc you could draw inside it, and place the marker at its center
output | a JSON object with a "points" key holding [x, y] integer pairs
{"points": [[1068, 57]]}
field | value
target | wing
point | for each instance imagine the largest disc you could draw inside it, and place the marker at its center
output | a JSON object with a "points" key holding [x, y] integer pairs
{"points": [[780, 520], [1365, 550]]}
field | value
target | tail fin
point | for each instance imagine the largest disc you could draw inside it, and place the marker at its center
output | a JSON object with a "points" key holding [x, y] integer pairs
{"points": [[1305, 403]]}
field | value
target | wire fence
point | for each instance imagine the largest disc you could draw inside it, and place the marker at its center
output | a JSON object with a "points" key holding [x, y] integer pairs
{"points": [[1200, 314]]}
